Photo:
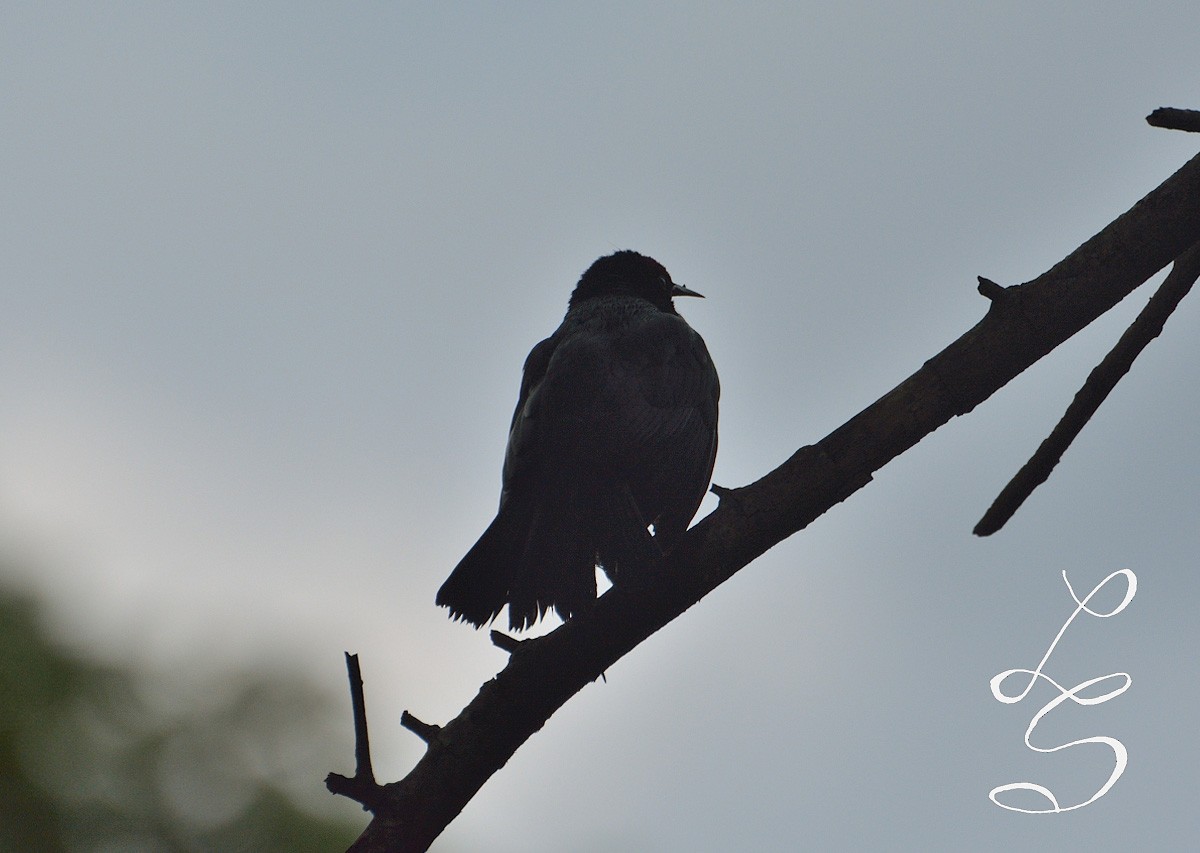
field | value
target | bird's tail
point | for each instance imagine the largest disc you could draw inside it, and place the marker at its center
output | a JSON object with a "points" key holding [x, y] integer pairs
{"points": [[556, 567], [534, 556], [477, 589]]}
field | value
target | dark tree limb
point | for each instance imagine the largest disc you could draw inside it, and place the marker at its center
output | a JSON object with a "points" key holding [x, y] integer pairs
{"points": [[1175, 119], [543, 673], [1099, 384]]}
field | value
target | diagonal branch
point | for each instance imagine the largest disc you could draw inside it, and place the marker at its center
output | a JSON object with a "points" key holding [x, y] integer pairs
{"points": [[1023, 323], [1100, 382]]}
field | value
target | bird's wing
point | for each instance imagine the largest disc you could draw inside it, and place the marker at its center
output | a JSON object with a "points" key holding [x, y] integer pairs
{"points": [[523, 433], [671, 427], [661, 391]]}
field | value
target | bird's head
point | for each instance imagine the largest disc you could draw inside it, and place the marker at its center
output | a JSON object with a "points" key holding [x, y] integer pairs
{"points": [[627, 273]]}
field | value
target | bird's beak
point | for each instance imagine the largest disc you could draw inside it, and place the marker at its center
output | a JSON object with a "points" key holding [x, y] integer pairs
{"points": [[680, 290]]}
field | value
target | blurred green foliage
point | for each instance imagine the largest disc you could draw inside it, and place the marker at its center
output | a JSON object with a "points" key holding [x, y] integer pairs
{"points": [[94, 757]]}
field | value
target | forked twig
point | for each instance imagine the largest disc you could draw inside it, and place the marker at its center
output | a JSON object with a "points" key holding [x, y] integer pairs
{"points": [[1100, 382], [362, 787]]}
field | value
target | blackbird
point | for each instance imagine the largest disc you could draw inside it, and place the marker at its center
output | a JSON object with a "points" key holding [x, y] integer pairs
{"points": [[615, 432]]}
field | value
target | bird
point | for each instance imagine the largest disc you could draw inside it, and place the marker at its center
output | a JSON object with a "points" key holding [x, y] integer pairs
{"points": [[610, 450]]}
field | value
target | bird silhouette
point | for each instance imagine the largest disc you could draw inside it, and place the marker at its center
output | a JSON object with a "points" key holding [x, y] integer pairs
{"points": [[614, 433]]}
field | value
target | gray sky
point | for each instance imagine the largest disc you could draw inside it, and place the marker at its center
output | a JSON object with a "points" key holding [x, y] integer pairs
{"points": [[271, 271]]}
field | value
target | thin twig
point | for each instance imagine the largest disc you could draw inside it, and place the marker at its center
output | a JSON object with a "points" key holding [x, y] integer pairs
{"points": [[425, 731], [506, 642], [1100, 382], [362, 787], [990, 289], [362, 744]]}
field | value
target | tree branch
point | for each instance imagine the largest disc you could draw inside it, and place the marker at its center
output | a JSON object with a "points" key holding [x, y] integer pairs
{"points": [[362, 787], [1095, 390], [1175, 119], [543, 673]]}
